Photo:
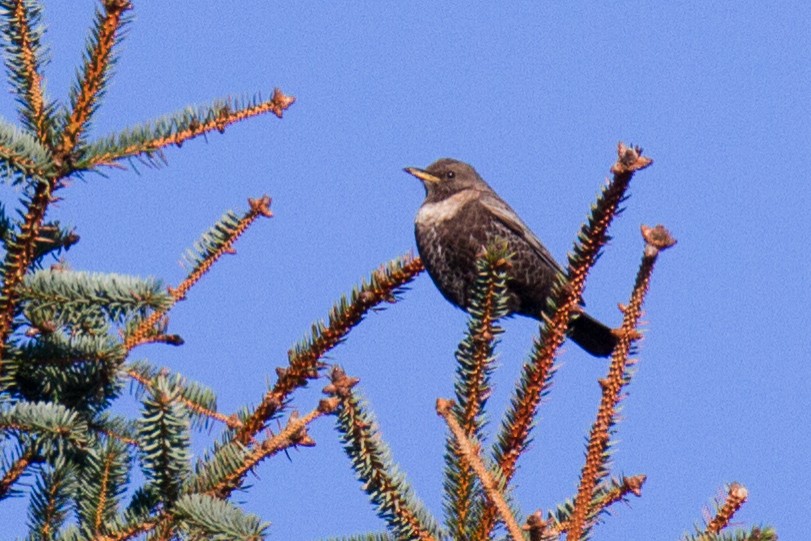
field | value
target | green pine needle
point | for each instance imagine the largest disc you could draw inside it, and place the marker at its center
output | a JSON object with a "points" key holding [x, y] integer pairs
{"points": [[163, 436], [210, 518]]}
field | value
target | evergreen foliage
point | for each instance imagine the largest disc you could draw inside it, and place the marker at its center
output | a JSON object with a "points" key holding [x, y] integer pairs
{"points": [[67, 339]]}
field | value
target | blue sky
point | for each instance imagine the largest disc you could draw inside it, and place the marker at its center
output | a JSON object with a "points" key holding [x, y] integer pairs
{"points": [[535, 96]]}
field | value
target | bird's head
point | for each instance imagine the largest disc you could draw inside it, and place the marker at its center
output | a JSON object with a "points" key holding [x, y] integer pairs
{"points": [[446, 177]]}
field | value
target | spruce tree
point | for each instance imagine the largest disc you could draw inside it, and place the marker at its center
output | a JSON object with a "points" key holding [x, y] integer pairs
{"points": [[66, 339]]}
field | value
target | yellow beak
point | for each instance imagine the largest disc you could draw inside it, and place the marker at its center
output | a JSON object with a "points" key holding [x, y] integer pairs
{"points": [[421, 174]]}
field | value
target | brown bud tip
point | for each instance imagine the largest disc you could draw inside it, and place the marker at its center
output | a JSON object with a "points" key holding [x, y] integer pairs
{"points": [[261, 206], [174, 339], [634, 484], [281, 101], [328, 405], [341, 385], [444, 406], [113, 6], [281, 372], [535, 522], [656, 239], [629, 159], [738, 491]]}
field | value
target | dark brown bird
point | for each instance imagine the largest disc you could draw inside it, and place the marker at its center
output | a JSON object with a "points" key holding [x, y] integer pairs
{"points": [[460, 215]]}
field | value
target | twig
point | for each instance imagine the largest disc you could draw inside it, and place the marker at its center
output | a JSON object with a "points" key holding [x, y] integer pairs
{"points": [[258, 207], [736, 497], [656, 240], [229, 420], [371, 459], [294, 434], [537, 373], [277, 104], [98, 62], [470, 452], [16, 470]]}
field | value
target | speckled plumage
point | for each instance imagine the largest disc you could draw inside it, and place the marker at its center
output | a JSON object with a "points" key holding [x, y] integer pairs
{"points": [[460, 215]]}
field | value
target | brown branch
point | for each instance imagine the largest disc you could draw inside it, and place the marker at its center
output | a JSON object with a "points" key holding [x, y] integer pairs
{"points": [[303, 365], [230, 421], [540, 367], [16, 470], [105, 479], [19, 255], [630, 485], [736, 497], [33, 79], [470, 451], [95, 68], [136, 529], [656, 240], [294, 434], [119, 437], [277, 104], [145, 330]]}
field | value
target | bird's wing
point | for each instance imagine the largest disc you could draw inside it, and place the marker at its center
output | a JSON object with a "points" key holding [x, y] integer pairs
{"points": [[508, 217]]}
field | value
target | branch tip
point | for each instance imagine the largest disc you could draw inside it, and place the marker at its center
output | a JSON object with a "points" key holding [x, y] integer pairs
{"points": [[342, 384], [117, 6], [261, 206], [657, 239], [634, 484], [736, 497], [281, 101], [629, 160]]}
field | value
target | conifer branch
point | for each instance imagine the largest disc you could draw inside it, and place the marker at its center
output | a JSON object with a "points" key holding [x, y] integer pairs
{"points": [[22, 33], [164, 434], [618, 492], [132, 442], [22, 156], [371, 460], [294, 434], [211, 247], [20, 252], [606, 494], [304, 360], [539, 369], [198, 400], [103, 488], [17, 469], [206, 517], [736, 497], [470, 451], [656, 240], [50, 499], [132, 530], [96, 68], [475, 364], [152, 138]]}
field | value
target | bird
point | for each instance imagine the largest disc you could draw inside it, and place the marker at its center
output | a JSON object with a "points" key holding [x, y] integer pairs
{"points": [[461, 214]]}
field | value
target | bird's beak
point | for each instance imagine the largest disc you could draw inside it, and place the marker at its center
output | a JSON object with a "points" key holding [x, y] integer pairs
{"points": [[422, 174]]}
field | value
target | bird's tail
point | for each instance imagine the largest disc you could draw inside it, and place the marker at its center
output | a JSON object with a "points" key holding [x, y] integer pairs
{"points": [[591, 335]]}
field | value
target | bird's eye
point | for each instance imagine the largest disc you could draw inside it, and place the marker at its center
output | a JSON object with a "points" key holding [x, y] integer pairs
{"points": [[450, 174]]}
